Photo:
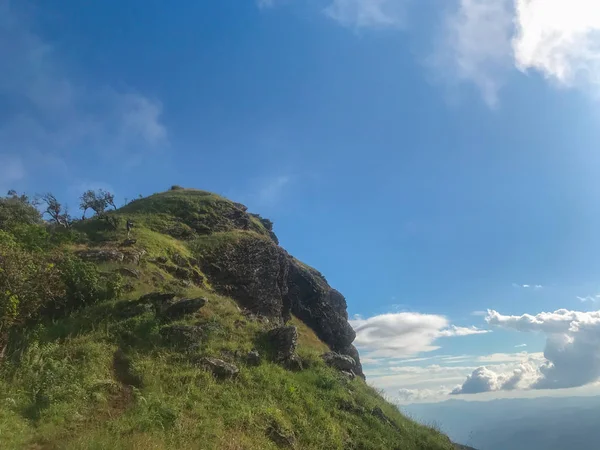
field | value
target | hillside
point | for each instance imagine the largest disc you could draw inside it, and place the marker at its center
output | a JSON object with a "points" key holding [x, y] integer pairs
{"points": [[196, 331]]}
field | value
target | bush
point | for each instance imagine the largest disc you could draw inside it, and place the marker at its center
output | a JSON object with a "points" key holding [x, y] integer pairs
{"points": [[176, 187]]}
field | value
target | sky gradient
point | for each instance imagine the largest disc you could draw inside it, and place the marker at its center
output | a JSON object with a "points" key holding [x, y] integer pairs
{"points": [[437, 160]]}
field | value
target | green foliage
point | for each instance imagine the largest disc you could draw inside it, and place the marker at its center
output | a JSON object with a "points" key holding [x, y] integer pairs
{"points": [[17, 211]]}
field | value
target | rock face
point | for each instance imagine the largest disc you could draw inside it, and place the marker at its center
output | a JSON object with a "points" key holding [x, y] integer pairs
{"points": [[266, 280], [252, 271]]}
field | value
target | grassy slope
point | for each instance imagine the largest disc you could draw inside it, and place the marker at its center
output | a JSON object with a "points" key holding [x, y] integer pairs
{"points": [[61, 388]]}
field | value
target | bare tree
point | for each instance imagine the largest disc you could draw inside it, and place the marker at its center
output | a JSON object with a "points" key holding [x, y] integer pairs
{"points": [[55, 210]]}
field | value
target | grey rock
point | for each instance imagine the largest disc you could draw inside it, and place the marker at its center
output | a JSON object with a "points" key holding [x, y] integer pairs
{"points": [[219, 367], [184, 307], [157, 298], [284, 341], [340, 362]]}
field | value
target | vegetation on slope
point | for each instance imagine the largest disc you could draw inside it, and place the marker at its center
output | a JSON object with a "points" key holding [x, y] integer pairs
{"points": [[85, 364]]}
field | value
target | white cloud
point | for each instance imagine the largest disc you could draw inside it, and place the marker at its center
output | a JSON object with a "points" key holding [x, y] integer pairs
{"points": [[560, 39], [53, 113], [367, 13], [589, 298], [520, 345], [404, 334], [419, 395], [571, 356], [476, 45], [528, 286], [484, 379]]}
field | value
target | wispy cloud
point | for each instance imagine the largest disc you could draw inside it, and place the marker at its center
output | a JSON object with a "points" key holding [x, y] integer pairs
{"points": [[405, 334], [520, 345], [367, 13], [528, 286], [53, 113], [589, 298]]}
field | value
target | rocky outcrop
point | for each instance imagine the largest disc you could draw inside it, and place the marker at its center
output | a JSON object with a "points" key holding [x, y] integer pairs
{"points": [[284, 341], [253, 271], [267, 281], [343, 363], [322, 308], [219, 368]]}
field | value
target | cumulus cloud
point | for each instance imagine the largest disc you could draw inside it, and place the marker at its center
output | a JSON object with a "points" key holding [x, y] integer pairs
{"points": [[571, 354], [52, 113], [404, 334], [484, 379], [560, 39], [367, 13]]}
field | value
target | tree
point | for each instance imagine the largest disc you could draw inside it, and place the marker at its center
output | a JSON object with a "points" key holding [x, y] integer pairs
{"points": [[97, 201], [16, 210], [55, 211]]}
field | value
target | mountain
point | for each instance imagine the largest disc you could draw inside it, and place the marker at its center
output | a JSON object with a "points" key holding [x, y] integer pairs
{"points": [[176, 321], [545, 423]]}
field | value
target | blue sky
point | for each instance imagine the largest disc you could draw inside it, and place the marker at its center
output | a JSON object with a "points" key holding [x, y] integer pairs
{"points": [[435, 159]]}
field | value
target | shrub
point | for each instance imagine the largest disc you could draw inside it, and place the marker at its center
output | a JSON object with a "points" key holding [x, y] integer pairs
{"points": [[176, 187]]}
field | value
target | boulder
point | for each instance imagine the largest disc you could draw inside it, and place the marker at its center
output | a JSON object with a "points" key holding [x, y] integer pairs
{"points": [[253, 358], [219, 368], [351, 351], [183, 307], [340, 362], [186, 336], [284, 341]]}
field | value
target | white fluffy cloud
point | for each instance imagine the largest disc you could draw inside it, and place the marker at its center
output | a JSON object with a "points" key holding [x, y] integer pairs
{"points": [[558, 38], [484, 379], [571, 355], [53, 113], [404, 334]]}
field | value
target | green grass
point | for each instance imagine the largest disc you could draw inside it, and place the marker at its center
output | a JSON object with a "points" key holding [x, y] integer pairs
{"points": [[61, 386]]}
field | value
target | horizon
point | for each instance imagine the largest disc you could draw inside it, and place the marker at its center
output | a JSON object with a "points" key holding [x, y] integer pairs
{"points": [[437, 163]]}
